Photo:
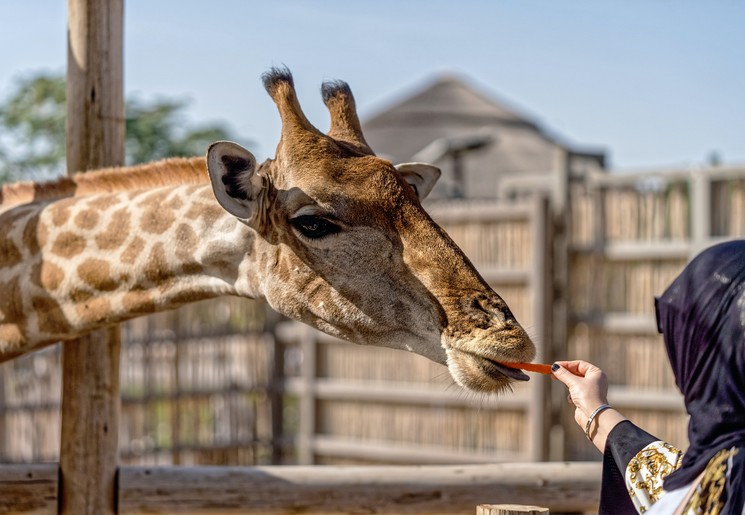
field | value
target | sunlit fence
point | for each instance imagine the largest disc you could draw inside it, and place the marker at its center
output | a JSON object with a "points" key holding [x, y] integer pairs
{"points": [[225, 382]]}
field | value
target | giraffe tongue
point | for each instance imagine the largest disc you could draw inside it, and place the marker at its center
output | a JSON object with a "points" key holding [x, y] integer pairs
{"points": [[513, 373]]}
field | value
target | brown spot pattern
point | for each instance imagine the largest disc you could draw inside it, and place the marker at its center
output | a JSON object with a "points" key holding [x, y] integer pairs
{"points": [[210, 213], [96, 274], [138, 301], [157, 269], [9, 253], [60, 212], [156, 220], [9, 309], [174, 203], [185, 297], [80, 295], [186, 242], [68, 245], [103, 202], [30, 236], [47, 275], [116, 232], [51, 318], [86, 219], [133, 250]]}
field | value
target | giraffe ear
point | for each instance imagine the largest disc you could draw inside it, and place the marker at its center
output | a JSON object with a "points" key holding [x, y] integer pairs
{"points": [[420, 176], [236, 185]]}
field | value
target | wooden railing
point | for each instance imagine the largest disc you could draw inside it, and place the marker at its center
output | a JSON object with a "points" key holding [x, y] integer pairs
{"points": [[561, 487]]}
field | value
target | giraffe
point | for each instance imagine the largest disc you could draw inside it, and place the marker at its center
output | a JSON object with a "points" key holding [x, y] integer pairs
{"points": [[326, 233]]}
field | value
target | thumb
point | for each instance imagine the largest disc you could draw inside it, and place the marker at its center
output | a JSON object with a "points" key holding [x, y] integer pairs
{"points": [[563, 375]]}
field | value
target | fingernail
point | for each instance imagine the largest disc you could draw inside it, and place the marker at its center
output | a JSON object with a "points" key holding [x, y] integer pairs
{"points": [[555, 367]]}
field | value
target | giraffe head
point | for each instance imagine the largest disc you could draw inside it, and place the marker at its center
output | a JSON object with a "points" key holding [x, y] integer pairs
{"points": [[344, 245]]}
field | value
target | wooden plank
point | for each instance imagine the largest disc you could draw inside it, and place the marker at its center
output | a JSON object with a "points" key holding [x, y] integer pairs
{"points": [[509, 509], [638, 250], [562, 487], [29, 488], [646, 398], [478, 211], [95, 139], [630, 178], [397, 452], [502, 276], [620, 323], [403, 393]]}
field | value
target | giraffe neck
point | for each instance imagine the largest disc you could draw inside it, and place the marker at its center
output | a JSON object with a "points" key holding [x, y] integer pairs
{"points": [[106, 258]]}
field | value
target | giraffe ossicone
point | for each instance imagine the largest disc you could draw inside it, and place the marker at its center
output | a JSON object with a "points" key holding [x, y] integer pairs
{"points": [[325, 232]]}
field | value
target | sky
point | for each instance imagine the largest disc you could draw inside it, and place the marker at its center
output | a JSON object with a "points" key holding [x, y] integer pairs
{"points": [[654, 83]]}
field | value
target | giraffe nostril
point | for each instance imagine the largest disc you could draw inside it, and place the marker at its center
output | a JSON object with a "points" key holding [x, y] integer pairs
{"points": [[501, 313], [508, 316]]}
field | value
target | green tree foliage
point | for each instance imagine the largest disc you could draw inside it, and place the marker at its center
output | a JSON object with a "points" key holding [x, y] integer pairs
{"points": [[32, 130]]}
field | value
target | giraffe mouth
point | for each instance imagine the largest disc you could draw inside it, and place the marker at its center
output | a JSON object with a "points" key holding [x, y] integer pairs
{"points": [[512, 373]]}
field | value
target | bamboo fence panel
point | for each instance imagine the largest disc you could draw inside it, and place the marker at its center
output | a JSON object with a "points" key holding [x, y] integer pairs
{"points": [[728, 213], [640, 212], [460, 429], [493, 243], [583, 217], [195, 386], [605, 285], [197, 382]]}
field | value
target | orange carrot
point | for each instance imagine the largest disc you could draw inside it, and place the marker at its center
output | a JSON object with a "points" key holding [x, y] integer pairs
{"points": [[531, 367]]}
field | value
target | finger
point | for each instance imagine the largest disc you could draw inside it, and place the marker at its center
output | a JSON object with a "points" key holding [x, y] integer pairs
{"points": [[569, 399], [563, 375], [580, 367]]}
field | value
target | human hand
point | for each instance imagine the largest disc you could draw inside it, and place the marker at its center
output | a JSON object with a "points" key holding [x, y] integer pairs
{"points": [[588, 387]]}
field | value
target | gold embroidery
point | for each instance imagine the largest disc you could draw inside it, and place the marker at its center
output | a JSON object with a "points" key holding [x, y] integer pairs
{"points": [[647, 470], [708, 497]]}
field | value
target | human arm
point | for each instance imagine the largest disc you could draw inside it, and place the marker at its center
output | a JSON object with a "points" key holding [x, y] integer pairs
{"points": [[633, 460], [588, 390]]}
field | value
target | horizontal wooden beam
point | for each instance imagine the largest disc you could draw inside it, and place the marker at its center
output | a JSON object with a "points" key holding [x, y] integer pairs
{"points": [[405, 393], [619, 323], [561, 487], [406, 453], [478, 211], [379, 489], [625, 397], [639, 250], [29, 488]]}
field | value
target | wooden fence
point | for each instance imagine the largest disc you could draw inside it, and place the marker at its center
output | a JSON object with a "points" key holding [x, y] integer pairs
{"points": [[199, 386], [631, 234], [320, 489], [223, 383]]}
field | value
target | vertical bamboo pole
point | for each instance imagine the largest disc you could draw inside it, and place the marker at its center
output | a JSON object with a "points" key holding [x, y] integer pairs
{"points": [[95, 138]]}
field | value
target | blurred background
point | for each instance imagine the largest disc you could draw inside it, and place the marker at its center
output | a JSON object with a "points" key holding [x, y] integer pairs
{"points": [[588, 150]]}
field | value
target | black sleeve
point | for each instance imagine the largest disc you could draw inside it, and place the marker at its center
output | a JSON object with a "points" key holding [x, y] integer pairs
{"points": [[623, 443]]}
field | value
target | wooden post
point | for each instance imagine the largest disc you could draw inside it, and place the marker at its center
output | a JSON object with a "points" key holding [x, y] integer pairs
{"points": [[307, 430], [509, 509], [95, 138], [542, 300]]}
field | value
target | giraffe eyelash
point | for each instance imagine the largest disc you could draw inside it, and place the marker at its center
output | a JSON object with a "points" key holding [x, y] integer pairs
{"points": [[314, 227]]}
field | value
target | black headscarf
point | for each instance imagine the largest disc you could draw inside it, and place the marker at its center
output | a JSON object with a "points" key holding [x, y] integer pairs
{"points": [[702, 318]]}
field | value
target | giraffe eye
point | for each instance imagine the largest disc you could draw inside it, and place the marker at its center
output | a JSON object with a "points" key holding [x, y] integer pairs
{"points": [[314, 227]]}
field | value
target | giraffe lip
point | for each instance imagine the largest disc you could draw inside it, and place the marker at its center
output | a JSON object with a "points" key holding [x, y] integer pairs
{"points": [[512, 373]]}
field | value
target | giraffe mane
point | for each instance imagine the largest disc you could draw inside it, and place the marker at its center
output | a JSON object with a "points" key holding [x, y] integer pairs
{"points": [[166, 172]]}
